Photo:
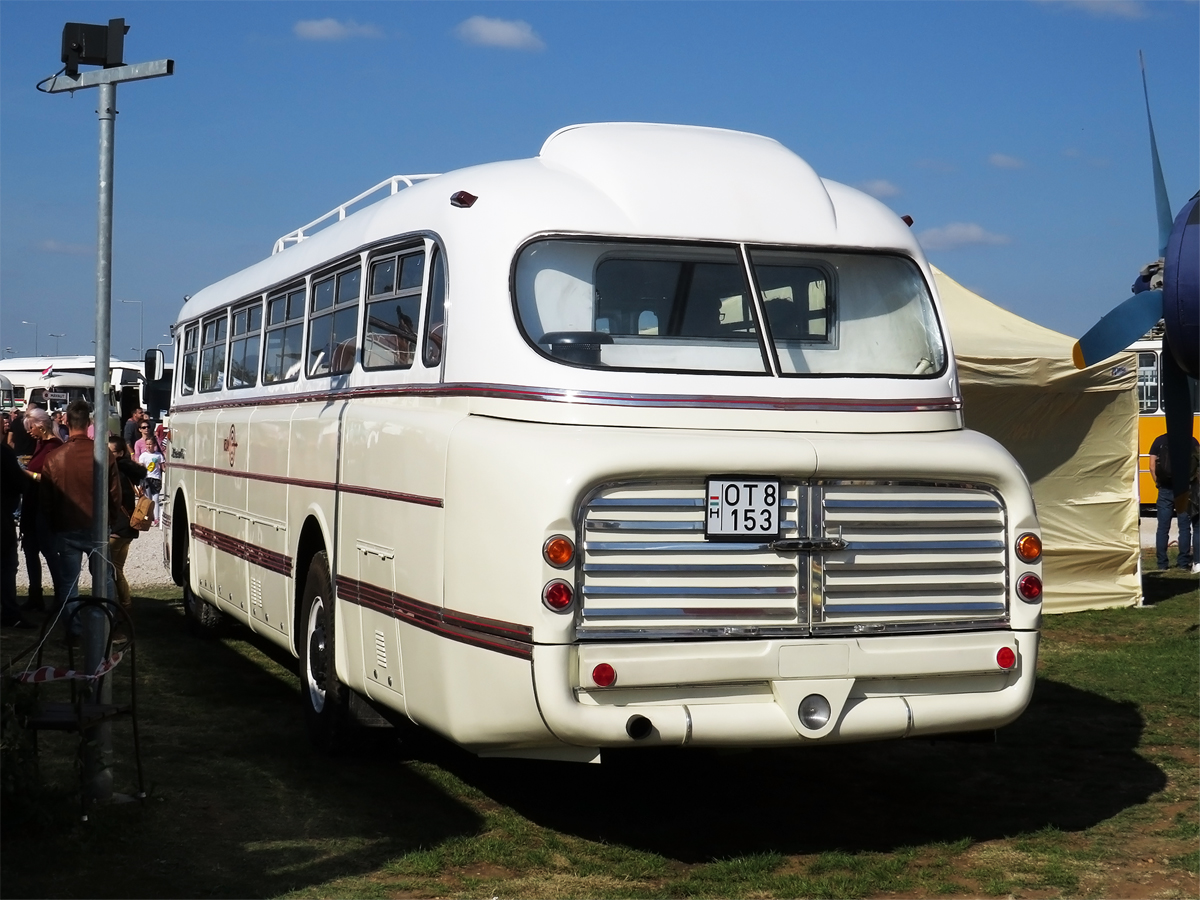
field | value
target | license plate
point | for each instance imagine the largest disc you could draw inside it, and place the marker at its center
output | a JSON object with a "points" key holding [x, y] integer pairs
{"points": [[740, 508]]}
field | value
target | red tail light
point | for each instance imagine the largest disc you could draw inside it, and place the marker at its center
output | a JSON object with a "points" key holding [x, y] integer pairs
{"points": [[604, 675], [1005, 658], [1029, 586], [557, 595]]}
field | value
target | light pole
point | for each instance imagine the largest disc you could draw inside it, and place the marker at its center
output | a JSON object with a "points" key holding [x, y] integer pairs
{"points": [[141, 326], [56, 337], [35, 340], [99, 45]]}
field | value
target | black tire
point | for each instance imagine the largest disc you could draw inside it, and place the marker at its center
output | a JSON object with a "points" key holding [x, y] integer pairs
{"points": [[203, 620], [325, 700]]}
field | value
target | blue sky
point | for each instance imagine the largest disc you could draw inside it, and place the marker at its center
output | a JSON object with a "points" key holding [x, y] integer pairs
{"points": [[1014, 133]]}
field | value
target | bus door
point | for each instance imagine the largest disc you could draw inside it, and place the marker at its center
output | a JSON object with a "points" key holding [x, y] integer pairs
{"points": [[393, 465]]}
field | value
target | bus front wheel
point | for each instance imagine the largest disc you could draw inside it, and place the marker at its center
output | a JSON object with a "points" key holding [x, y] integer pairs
{"points": [[325, 700]]}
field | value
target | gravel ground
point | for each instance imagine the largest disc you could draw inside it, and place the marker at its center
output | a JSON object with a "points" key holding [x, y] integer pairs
{"points": [[143, 568]]}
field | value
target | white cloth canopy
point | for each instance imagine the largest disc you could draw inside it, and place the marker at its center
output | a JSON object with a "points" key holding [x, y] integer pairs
{"points": [[1073, 432]]}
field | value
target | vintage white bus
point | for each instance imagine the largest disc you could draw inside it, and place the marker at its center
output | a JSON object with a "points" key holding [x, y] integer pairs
{"points": [[653, 439]]}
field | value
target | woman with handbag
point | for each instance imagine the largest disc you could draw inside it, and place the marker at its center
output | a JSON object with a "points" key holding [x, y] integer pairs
{"points": [[122, 532]]}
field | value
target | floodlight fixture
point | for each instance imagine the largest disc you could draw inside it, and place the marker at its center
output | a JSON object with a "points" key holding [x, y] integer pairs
{"points": [[93, 45]]}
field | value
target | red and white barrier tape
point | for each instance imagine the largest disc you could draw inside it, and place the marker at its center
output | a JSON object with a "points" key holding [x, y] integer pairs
{"points": [[51, 673]]}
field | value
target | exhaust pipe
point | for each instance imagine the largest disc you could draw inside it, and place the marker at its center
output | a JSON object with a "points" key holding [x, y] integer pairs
{"points": [[638, 727]]}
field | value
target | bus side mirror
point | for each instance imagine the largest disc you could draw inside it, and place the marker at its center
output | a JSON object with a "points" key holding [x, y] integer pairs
{"points": [[153, 368]]}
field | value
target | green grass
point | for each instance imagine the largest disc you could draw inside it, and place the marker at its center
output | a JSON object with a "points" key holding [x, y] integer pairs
{"points": [[1095, 779]]}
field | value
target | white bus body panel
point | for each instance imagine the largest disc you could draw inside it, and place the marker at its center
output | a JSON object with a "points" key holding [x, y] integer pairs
{"points": [[433, 490]]}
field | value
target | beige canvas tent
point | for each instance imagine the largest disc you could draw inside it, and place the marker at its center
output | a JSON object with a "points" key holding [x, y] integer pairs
{"points": [[1073, 432]]}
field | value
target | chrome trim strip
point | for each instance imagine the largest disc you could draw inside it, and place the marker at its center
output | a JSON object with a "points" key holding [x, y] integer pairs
{"points": [[835, 608], [672, 591], [671, 547], [924, 545], [687, 732], [647, 503], [911, 504], [778, 612], [685, 569], [595, 398], [633, 525]]}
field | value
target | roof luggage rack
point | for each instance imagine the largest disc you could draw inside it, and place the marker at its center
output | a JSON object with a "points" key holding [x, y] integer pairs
{"points": [[295, 237]]}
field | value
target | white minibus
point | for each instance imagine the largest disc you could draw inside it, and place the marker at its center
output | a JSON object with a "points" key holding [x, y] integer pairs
{"points": [[653, 439]]}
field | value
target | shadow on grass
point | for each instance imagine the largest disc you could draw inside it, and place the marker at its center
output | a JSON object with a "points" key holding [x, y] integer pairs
{"points": [[240, 805], [1160, 586], [1069, 762]]}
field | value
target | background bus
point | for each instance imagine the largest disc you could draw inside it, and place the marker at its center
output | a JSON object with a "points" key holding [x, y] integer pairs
{"points": [[1151, 419]]}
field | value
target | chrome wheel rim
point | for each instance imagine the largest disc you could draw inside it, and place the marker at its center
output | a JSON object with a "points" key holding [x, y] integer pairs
{"points": [[315, 669]]}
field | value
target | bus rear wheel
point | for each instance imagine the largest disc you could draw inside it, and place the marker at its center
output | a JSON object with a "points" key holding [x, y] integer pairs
{"points": [[325, 700], [203, 619]]}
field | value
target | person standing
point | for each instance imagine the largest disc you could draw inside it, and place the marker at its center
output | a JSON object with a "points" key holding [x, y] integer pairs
{"points": [[1160, 468], [12, 480], [131, 425], [151, 459], [66, 481], [19, 437], [36, 538], [121, 533]]}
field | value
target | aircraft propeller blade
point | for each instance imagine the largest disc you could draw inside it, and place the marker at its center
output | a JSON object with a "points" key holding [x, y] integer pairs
{"points": [[1117, 330], [1161, 203]]}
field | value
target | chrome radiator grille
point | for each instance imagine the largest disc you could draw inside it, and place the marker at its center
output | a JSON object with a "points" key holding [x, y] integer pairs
{"points": [[917, 557], [646, 564], [913, 553]]}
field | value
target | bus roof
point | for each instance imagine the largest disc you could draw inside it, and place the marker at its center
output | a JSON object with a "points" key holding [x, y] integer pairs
{"points": [[634, 179]]}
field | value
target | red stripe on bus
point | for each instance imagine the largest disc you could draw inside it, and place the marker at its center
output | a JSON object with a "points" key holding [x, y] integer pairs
{"points": [[477, 631], [379, 493]]}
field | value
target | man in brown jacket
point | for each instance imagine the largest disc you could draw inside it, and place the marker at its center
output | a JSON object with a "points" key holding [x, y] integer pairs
{"points": [[66, 483]]}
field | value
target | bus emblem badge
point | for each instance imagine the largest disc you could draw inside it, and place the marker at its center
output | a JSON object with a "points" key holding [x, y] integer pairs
{"points": [[231, 444]]}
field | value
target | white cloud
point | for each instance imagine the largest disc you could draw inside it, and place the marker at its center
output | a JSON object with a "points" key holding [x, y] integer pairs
{"points": [[52, 246], [512, 34], [959, 234], [1004, 161], [879, 188], [1106, 9], [333, 30]]}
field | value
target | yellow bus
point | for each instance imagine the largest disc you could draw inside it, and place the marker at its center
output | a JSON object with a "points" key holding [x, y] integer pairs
{"points": [[1151, 419]]}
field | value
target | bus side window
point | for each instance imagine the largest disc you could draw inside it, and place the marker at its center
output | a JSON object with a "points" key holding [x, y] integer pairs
{"points": [[333, 328], [191, 348], [394, 307], [285, 335], [435, 314], [212, 353], [244, 346], [1147, 382]]}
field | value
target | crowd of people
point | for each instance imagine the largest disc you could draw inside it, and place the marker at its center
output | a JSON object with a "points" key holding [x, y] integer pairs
{"points": [[47, 486]]}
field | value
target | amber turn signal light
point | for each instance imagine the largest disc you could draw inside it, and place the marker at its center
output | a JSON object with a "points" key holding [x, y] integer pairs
{"points": [[559, 551], [1029, 547]]}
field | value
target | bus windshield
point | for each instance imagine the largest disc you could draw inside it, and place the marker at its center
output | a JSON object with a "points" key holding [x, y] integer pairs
{"points": [[668, 307]]}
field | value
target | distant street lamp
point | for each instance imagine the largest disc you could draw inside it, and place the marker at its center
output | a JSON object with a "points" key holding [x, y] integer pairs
{"points": [[35, 340], [56, 337], [141, 326]]}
